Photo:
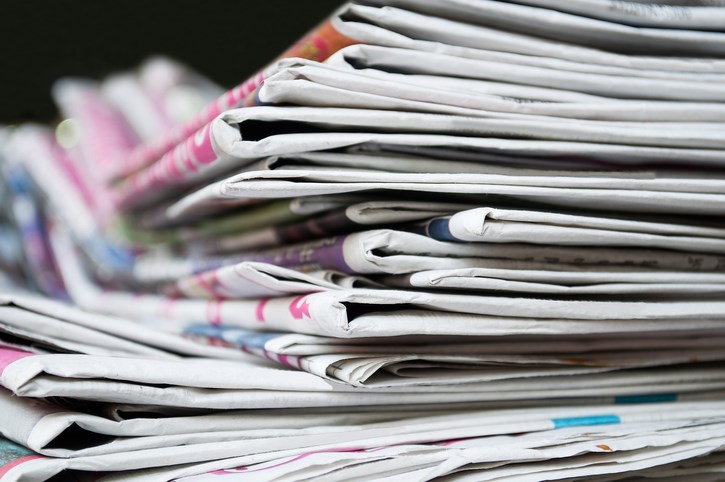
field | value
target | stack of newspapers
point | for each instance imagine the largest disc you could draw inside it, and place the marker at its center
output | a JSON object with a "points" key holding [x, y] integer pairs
{"points": [[461, 240]]}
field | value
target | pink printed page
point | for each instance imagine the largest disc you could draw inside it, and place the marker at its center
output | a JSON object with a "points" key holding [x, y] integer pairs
{"points": [[8, 356]]}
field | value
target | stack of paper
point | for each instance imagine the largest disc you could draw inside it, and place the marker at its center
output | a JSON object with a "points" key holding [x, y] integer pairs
{"points": [[461, 240]]}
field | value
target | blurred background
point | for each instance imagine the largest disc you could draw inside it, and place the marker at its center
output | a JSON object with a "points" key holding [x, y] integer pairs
{"points": [[226, 40]]}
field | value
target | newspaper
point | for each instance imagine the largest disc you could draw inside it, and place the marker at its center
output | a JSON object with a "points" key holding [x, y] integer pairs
{"points": [[574, 29], [395, 27], [414, 160], [387, 251], [555, 422], [706, 16], [607, 85], [329, 313], [27, 374], [333, 84], [423, 462], [490, 225], [647, 196], [128, 380], [622, 429], [448, 364], [344, 120], [254, 279], [228, 145], [610, 282]]}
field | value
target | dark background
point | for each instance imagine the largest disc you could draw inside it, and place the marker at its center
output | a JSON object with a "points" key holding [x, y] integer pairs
{"points": [[42, 40]]}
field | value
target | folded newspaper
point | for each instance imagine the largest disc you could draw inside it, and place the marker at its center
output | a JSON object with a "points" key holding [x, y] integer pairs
{"points": [[462, 240]]}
